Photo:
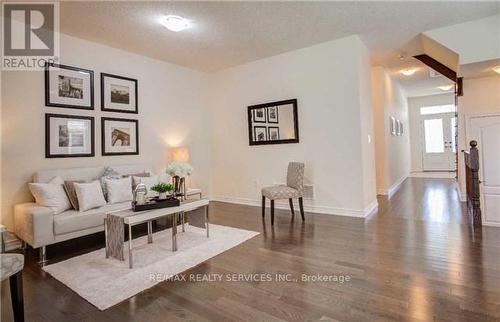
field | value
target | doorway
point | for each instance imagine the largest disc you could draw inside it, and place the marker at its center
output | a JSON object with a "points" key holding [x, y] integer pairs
{"points": [[438, 138]]}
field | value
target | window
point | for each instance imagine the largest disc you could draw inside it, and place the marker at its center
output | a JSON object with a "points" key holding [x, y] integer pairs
{"points": [[437, 109], [434, 142]]}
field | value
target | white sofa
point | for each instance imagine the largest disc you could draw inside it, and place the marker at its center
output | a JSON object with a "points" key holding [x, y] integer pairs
{"points": [[38, 226]]}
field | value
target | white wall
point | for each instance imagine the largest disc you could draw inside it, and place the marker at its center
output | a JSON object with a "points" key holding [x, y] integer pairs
{"points": [[481, 96], [416, 135], [334, 114], [171, 113], [392, 152]]}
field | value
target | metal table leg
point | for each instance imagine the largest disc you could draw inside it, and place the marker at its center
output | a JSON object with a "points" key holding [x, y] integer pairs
{"points": [[130, 246], [150, 232], [207, 221], [174, 232], [182, 221]]}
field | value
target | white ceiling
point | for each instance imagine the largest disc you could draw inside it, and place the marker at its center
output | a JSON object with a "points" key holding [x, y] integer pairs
{"points": [[226, 34]]}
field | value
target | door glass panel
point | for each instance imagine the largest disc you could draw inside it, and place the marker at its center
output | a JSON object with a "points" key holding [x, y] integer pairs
{"points": [[434, 142], [453, 132]]}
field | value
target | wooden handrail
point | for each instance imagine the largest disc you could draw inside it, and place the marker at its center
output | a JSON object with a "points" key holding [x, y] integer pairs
{"points": [[472, 184]]}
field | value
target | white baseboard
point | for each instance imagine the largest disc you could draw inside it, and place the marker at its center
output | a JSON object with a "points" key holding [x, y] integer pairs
{"points": [[328, 210], [392, 189], [491, 224]]}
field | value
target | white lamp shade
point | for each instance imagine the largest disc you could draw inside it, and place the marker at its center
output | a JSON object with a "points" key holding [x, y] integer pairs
{"points": [[179, 154]]}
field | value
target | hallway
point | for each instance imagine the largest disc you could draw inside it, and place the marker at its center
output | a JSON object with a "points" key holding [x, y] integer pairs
{"points": [[415, 259]]}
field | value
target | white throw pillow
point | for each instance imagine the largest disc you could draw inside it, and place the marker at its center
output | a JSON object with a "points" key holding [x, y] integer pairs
{"points": [[119, 190], [51, 195], [148, 182], [89, 195]]}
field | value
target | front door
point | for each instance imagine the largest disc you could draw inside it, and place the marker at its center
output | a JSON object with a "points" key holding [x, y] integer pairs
{"points": [[439, 151], [486, 131]]}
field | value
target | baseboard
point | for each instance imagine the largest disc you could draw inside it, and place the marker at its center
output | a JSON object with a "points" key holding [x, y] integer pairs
{"points": [[328, 210], [491, 224], [392, 189]]}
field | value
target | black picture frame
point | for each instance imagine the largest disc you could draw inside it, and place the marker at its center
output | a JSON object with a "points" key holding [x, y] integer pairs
{"points": [[103, 103], [103, 136], [260, 127], [269, 128], [77, 69], [255, 116], [48, 154], [251, 130], [268, 109]]}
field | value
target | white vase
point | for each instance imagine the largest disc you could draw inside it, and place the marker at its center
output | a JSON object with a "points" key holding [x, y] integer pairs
{"points": [[163, 195]]}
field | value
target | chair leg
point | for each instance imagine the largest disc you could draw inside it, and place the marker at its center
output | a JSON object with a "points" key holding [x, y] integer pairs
{"points": [[16, 296], [272, 212], [291, 206], [263, 206], [301, 205]]}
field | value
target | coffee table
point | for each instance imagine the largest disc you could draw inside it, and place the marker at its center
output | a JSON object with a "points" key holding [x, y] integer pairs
{"points": [[131, 218]]}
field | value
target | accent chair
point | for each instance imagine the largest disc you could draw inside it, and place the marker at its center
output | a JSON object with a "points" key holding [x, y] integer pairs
{"points": [[294, 188]]}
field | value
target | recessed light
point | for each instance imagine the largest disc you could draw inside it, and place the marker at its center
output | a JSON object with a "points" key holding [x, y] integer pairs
{"points": [[496, 69], [408, 71], [446, 87], [175, 23]]}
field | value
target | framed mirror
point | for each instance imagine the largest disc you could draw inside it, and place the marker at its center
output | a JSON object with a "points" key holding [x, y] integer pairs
{"points": [[273, 123]]}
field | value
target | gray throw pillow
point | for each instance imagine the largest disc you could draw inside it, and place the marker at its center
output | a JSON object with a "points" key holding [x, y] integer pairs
{"points": [[109, 174], [69, 187]]}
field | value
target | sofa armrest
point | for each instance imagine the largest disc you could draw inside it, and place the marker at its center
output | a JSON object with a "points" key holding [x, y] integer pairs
{"points": [[34, 224]]}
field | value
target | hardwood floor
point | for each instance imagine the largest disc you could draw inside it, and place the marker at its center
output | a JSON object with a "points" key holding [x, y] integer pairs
{"points": [[416, 259]]}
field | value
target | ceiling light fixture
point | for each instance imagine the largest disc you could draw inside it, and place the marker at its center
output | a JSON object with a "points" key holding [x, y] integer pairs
{"points": [[408, 71], [496, 69], [175, 23], [446, 87]]}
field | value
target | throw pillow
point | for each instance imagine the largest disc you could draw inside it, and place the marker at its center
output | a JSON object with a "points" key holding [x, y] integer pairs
{"points": [[119, 190], [51, 195], [149, 182], [143, 174], [89, 195], [109, 173], [70, 191]]}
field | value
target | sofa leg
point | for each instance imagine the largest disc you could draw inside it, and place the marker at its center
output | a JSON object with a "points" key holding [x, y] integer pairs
{"points": [[42, 258], [16, 296], [290, 201]]}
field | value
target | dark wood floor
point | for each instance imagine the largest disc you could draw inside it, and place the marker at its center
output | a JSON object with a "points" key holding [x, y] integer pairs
{"points": [[416, 259]]}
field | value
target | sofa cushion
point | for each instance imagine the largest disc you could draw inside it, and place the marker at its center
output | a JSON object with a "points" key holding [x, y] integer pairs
{"points": [[73, 220]]}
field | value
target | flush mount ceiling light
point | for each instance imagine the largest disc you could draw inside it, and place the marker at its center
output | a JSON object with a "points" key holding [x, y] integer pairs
{"points": [[175, 23], [446, 87], [408, 71], [496, 69]]}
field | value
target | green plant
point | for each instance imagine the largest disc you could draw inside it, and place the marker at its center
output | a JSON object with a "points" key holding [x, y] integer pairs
{"points": [[162, 187]]}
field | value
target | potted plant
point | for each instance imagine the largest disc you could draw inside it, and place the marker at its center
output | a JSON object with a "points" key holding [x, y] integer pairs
{"points": [[162, 189]]}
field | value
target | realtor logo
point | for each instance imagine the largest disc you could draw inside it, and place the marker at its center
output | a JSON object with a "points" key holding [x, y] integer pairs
{"points": [[30, 35]]}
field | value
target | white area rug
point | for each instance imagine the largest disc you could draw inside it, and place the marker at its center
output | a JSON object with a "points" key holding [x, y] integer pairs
{"points": [[106, 282]]}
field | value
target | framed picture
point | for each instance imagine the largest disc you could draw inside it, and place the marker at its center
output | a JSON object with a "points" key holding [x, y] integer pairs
{"points": [[69, 136], [272, 114], [259, 115], [273, 133], [69, 87], [260, 133], [118, 94], [119, 136], [392, 121]]}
